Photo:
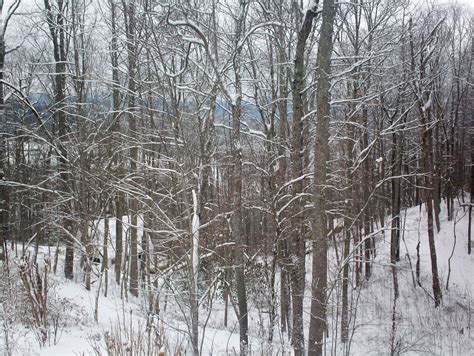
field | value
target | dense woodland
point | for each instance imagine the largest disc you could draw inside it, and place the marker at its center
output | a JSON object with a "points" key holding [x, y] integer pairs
{"points": [[217, 146]]}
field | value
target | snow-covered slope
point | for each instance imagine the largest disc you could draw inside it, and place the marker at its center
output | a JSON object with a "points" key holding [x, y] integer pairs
{"points": [[419, 327], [414, 327]]}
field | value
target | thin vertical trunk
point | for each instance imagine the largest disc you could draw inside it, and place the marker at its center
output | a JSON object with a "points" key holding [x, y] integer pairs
{"points": [[393, 342], [426, 148], [345, 284], [236, 146], [194, 274], [129, 13], [118, 237], [437, 178], [396, 200], [381, 177], [347, 237], [471, 138], [4, 209], [118, 200], [105, 255], [281, 179], [366, 195], [471, 193], [395, 229]]}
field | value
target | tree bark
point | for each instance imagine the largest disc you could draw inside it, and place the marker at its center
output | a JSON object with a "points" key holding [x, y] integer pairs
{"points": [[317, 327], [58, 37], [118, 199], [471, 138], [298, 241], [236, 147], [129, 8], [424, 111]]}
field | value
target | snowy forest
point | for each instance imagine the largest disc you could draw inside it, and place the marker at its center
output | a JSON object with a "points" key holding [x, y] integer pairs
{"points": [[236, 177]]}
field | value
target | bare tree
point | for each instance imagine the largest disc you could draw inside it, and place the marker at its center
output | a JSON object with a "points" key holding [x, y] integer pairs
{"points": [[5, 17], [424, 101], [56, 19], [317, 326], [298, 244], [129, 9], [236, 146]]}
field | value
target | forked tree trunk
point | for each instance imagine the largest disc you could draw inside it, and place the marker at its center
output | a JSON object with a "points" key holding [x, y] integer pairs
{"points": [[426, 149], [424, 111], [58, 37], [297, 251]]}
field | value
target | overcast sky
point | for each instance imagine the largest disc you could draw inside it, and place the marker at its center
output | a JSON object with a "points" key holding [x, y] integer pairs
{"points": [[25, 3]]}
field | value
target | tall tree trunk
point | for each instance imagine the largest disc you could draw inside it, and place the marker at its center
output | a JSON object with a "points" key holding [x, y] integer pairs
{"points": [[129, 8], [350, 212], [281, 179], [366, 195], [345, 284], [424, 110], [396, 199], [236, 146], [317, 326], [298, 240], [195, 226], [118, 199], [471, 138], [79, 51], [105, 254], [471, 193], [58, 37], [437, 178], [4, 208], [426, 152]]}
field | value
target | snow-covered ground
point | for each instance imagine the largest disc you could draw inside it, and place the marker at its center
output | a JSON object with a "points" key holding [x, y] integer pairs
{"points": [[419, 327]]}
